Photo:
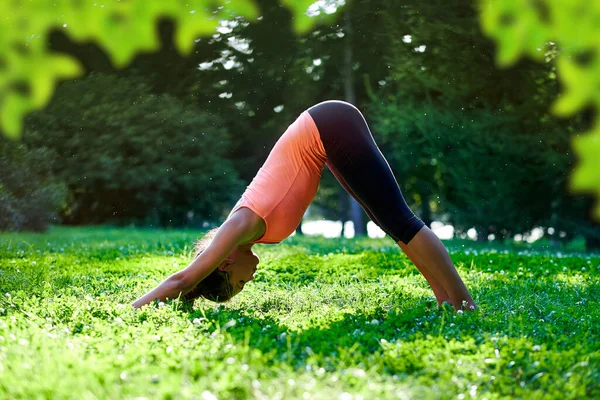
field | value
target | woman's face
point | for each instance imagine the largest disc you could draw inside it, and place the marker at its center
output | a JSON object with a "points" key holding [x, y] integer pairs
{"points": [[241, 266]]}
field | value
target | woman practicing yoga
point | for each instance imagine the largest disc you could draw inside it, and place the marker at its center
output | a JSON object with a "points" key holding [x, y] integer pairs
{"points": [[333, 133]]}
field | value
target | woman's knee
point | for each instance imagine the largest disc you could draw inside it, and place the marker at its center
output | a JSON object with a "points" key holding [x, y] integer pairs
{"points": [[408, 230]]}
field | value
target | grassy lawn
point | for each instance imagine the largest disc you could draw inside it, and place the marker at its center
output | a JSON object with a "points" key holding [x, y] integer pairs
{"points": [[324, 319]]}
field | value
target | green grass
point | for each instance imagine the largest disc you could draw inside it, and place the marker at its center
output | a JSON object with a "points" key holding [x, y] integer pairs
{"points": [[324, 319]]}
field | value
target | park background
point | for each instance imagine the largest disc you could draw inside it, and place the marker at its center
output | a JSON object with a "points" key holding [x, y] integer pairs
{"points": [[171, 141], [130, 128]]}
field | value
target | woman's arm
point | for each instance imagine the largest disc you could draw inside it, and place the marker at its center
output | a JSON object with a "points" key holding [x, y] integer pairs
{"points": [[239, 229]]}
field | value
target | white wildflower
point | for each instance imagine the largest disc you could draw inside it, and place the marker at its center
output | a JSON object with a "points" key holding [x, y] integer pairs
{"points": [[229, 324], [206, 395]]}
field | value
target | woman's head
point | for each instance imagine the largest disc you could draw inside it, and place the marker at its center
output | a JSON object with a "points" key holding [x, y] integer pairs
{"points": [[240, 266], [229, 278]]}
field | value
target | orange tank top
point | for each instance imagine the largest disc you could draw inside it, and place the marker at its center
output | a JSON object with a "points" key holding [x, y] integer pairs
{"points": [[288, 180]]}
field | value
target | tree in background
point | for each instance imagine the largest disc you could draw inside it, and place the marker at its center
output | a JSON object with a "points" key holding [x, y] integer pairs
{"points": [[466, 168], [248, 114], [408, 59], [461, 131], [30, 195], [440, 72], [129, 155], [261, 75]]}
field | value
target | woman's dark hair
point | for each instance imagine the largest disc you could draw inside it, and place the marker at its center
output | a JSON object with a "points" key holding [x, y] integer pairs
{"points": [[216, 286]]}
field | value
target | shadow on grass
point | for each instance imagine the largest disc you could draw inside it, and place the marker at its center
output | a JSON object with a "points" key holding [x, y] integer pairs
{"points": [[538, 311], [357, 334]]}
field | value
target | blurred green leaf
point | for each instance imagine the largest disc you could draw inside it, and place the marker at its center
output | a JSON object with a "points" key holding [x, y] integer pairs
{"points": [[517, 27], [302, 22], [121, 28], [247, 8], [190, 27], [511, 50], [522, 27], [12, 110], [586, 176], [576, 81], [43, 76]]}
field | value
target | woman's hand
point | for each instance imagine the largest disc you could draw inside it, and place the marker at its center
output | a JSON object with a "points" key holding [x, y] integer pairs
{"points": [[171, 288]]}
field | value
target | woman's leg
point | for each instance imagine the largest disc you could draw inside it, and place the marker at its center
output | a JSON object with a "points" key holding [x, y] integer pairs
{"points": [[427, 248], [440, 294], [358, 164]]}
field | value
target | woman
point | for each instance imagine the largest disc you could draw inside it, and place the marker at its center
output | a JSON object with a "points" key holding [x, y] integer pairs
{"points": [[333, 133]]}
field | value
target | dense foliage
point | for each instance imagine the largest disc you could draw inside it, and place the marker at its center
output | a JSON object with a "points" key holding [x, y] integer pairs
{"points": [[445, 158], [468, 151], [31, 196], [324, 319], [129, 155], [29, 69], [471, 144]]}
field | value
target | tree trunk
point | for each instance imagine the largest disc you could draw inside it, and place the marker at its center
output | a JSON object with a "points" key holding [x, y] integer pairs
{"points": [[482, 233], [592, 234], [592, 242], [425, 210], [344, 199], [356, 212], [591, 230], [299, 229]]}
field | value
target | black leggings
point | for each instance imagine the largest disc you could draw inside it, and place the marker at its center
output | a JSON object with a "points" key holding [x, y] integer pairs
{"points": [[357, 163]]}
